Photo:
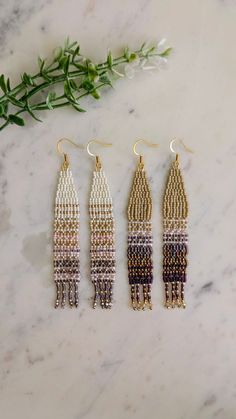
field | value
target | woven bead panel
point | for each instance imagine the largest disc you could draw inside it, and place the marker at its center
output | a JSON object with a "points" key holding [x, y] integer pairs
{"points": [[66, 240], [139, 252], [175, 238], [102, 240]]}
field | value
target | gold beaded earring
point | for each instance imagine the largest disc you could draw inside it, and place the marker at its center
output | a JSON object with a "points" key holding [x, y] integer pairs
{"points": [[139, 252], [175, 237], [102, 249], [66, 248]]}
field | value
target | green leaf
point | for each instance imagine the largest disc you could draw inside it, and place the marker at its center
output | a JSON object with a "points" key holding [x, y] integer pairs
{"points": [[152, 49], [5, 105], [81, 67], [132, 57], [8, 84], [92, 72], [91, 68], [15, 101], [72, 45], [78, 108], [64, 63], [166, 53], [87, 85], [109, 60], [50, 97], [68, 92], [45, 76], [67, 89], [58, 53], [41, 64], [67, 42], [62, 60], [69, 45], [14, 119], [127, 53], [105, 79], [3, 84], [2, 110], [76, 52], [95, 94], [73, 85], [32, 114], [27, 79]]}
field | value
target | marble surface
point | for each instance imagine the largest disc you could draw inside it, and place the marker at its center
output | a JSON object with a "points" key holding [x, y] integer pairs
{"points": [[85, 364]]}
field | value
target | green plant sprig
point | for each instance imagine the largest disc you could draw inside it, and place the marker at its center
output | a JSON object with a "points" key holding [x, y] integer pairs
{"points": [[68, 70]]}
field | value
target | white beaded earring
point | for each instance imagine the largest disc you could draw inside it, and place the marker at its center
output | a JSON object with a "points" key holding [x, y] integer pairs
{"points": [[102, 235], [66, 235]]}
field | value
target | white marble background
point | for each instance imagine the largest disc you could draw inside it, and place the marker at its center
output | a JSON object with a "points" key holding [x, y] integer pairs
{"points": [[85, 364]]}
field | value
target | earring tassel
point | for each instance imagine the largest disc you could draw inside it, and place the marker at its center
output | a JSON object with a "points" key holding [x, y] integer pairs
{"points": [[102, 240], [175, 238], [66, 240], [139, 252]]}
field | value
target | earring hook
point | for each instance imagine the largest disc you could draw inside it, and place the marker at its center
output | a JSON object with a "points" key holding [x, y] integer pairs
{"points": [[102, 143], [181, 142], [59, 142], [148, 143]]}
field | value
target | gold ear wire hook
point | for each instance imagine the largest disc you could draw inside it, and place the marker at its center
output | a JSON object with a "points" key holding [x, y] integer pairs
{"points": [[180, 141], [69, 141], [102, 143], [148, 143]]}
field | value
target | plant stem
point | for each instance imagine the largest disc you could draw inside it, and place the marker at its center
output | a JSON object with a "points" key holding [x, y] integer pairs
{"points": [[69, 69]]}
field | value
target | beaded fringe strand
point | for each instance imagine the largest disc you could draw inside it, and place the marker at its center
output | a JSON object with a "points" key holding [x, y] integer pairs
{"points": [[66, 240], [139, 253], [175, 238], [102, 239]]}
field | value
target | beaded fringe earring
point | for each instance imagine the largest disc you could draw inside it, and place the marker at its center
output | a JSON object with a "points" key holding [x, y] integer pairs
{"points": [[102, 235], [66, 236], [175, 237], [139, 252]]}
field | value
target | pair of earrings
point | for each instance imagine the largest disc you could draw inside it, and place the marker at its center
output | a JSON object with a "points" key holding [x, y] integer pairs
{"points": [[66, 235], [175, 237]]}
